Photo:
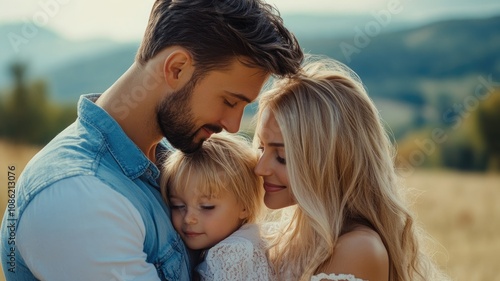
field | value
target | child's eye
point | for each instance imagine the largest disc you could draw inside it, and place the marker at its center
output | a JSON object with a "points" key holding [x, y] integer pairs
{"points": [[177, 207], [207, 207]]}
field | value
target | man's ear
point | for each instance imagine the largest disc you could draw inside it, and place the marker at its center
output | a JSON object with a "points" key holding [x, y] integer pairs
{"points": [[178, 68]]}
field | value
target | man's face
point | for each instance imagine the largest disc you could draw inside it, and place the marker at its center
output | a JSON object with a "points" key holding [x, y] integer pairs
{"points": [[216, 102]]}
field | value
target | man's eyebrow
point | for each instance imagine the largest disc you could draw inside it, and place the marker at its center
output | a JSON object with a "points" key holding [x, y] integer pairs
{"points": [[240, 97]]}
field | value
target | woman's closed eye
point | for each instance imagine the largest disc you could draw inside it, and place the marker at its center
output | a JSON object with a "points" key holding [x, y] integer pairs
{"points": [[281, 160]]}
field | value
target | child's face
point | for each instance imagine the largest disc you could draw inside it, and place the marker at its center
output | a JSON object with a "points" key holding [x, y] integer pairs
{"points": [[202, 221]]}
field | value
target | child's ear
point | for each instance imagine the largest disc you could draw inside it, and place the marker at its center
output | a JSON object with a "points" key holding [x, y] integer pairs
{"points": [[243, 214]]}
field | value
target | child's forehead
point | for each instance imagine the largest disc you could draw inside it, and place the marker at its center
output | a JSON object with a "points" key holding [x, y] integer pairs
{"points": [[197, 187], [190, 193], [200, 177]]}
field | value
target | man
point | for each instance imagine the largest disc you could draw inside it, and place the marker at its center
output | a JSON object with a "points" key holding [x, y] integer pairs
{"points": [[88, 205]]}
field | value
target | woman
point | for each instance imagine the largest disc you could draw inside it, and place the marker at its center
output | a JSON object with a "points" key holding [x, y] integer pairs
{"points": [[325, 152]]}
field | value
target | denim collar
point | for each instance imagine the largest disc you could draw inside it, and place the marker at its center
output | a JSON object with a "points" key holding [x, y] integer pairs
{"points": [[129, 157]]}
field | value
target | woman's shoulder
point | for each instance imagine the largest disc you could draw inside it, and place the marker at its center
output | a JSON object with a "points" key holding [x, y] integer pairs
{"points": [[362, 239], [361, 253]]}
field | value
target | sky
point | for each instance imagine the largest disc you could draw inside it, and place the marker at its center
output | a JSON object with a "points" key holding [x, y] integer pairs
{"points": [[126, 20]]}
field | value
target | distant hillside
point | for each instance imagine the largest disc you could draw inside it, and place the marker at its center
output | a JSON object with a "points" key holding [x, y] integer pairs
{"points": [[441, 50], [93, 74], [393, 63], [43, 49], [410, 69]]}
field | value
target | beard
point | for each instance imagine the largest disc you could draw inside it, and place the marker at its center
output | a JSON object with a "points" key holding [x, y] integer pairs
{"points": [[176, 120]]}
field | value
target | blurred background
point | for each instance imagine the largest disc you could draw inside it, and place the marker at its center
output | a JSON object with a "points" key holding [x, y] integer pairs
{"points": [[432, 69]]}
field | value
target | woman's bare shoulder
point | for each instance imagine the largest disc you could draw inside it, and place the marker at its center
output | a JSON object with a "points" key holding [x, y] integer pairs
{"points": [[361, 253]]}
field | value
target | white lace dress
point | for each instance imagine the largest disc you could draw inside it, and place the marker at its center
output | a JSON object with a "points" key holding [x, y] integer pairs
{"points": [[322, 276], [241, 256], [335, 277]]}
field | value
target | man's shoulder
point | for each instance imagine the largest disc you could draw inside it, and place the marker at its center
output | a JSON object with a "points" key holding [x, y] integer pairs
{"points": [[67, 155]]}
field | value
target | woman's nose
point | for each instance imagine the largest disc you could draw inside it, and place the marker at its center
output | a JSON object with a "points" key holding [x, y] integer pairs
{"points": [[262, 167]]}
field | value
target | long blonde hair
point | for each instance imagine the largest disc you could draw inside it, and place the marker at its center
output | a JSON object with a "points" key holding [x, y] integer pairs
{"points": [[341, 171]]}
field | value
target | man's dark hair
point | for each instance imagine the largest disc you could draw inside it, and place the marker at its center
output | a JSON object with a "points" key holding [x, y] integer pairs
{"points": [[217, 31]]}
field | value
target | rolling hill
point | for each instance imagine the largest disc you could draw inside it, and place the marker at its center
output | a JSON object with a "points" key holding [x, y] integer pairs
{"points": [[410, 68]]}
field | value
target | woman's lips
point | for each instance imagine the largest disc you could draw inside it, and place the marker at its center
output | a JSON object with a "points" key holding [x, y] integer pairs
{"points": [[269, 187]]}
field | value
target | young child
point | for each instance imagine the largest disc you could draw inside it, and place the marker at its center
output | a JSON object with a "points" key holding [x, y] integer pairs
{"points": [[215, 198]]}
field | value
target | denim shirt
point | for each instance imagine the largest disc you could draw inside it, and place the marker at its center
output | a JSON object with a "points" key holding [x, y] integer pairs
{"points": [[96, 146]]}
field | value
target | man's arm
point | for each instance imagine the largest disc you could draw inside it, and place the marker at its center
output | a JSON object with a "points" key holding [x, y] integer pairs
{"points": [[81, 229]]}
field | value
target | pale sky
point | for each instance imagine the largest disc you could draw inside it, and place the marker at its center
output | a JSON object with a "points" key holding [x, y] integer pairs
{"points": [[84, 19]]}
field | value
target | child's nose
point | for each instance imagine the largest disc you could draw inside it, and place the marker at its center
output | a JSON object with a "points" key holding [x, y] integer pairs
{"points": [[190, 217]]}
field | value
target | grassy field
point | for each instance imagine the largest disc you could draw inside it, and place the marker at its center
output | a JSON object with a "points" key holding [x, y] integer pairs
{"points": [[460, 211]]}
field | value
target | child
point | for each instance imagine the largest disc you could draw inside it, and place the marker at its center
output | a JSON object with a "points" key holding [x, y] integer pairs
{"points": [[215, 198]]}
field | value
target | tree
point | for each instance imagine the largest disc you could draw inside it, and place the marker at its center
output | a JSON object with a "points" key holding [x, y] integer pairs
{"points": [[488, 117], [26, 113], [16, 111]]}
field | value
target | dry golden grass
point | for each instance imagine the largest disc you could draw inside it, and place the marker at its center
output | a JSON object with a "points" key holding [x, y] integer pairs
{"points": [[12, 155], [460, 211]]}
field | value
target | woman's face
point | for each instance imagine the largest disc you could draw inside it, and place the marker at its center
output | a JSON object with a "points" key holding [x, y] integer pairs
{"points": [[272, 163]]}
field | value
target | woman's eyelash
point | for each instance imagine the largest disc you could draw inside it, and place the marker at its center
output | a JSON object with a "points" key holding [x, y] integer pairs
{"points": [[281, 160]]}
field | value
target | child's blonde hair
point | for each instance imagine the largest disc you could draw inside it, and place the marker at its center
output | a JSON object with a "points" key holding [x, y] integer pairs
{"points": [[224, 163]]}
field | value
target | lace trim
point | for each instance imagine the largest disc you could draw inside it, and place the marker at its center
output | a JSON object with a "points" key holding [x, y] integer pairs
{"points": [[236, 258], [335, 277]]}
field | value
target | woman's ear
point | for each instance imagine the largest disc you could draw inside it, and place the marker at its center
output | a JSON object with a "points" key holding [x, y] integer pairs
{"points": [[178, 68]]}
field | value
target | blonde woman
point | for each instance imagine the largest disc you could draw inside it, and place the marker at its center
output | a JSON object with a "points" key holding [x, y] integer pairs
{"points": [[215, 199], [325, 152]]}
